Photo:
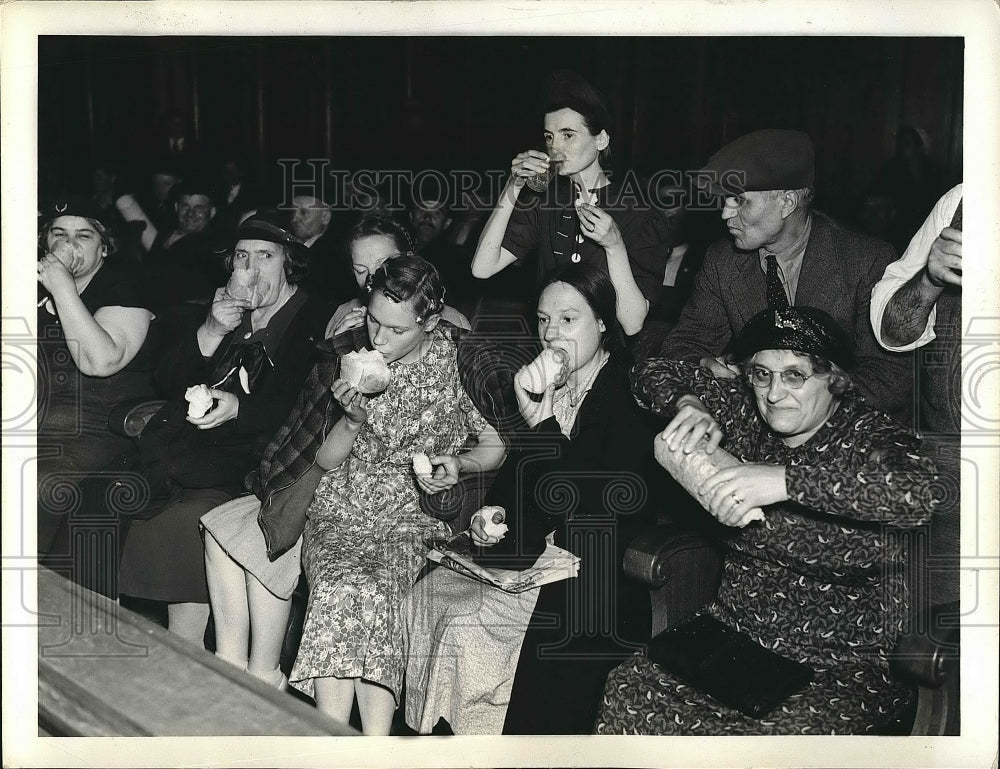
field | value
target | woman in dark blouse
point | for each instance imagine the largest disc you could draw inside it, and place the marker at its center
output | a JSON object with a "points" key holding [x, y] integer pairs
{"points": [[92, 324], [583, 216]]}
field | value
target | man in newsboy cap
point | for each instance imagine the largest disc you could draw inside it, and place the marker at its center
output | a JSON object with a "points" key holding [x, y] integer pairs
{"points": [[781, 253]]}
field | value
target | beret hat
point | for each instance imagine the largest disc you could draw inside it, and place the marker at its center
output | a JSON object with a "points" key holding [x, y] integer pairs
{"points": [[72, 205]]}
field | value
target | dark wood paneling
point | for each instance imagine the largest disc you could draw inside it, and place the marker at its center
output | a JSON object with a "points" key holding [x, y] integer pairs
{"points": [[461, 102]]}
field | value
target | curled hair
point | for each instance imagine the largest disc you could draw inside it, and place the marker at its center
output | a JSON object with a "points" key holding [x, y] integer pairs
{"points": [[595, 286], [409, 277], [294, 262], [838, 381], [108, 240], [375, 225]]}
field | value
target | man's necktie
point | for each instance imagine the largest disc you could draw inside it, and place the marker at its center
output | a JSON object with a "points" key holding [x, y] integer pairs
{"points": [[776, 298]]}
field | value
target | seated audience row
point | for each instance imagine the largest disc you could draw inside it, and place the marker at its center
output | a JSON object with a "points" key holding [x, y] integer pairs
{"points": [[782, 356]]}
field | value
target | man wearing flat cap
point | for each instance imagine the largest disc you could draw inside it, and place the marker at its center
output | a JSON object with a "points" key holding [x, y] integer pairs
{"points": [[781, 254]]}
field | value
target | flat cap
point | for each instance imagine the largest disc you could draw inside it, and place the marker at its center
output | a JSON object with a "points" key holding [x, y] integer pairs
{"points": [[800, 329], [771, 159]]}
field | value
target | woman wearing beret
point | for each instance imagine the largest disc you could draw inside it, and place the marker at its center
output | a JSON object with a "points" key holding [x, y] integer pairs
{"points": [[583, 216], [252, 352], [92, 323], [820, 579]]}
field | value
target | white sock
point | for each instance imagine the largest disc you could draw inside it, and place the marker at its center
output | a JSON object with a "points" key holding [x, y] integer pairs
{"points": [[273, 677]]}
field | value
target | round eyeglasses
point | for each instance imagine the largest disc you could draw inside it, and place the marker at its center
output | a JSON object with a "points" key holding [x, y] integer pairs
{"points": [[791, 378]]}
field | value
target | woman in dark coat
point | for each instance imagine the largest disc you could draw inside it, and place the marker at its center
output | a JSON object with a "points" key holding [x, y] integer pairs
{"points": [[577, 475], [253, 354]]}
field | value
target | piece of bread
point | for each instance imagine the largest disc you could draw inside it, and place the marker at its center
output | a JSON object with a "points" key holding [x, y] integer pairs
{"points": [[551, 368], [691, 470], [493, 520], [366, 371], [245, 284], [199, 401], [422, 465]]}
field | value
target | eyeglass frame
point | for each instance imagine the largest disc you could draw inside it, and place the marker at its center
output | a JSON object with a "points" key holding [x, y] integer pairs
{"points": [[770, 377]]}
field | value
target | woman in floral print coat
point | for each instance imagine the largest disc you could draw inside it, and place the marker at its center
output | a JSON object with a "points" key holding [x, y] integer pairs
{"points": [[820, 578]]}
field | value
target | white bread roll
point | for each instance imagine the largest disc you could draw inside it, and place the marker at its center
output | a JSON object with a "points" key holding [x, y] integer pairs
{"points": [[199, 401], [366, 371], [422, 465], [550, 368], [493, 520]]}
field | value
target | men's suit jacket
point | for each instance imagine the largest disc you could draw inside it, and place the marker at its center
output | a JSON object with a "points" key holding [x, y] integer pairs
{"points": [[839, 269]]}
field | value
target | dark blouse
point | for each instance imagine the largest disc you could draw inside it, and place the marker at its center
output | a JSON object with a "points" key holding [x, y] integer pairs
{"points": [[65, 396], [547, 227]]}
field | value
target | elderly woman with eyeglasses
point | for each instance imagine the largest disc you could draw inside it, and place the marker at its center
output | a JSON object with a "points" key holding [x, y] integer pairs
{"points": [[820, 579]]}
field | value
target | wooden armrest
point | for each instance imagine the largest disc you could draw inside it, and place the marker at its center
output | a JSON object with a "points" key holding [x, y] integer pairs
{"points": [[928, 652], [133, 677], [653, 555], [129, 418]]}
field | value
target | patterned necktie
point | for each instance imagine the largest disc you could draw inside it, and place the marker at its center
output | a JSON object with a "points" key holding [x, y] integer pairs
{"points": [[776, 298]]}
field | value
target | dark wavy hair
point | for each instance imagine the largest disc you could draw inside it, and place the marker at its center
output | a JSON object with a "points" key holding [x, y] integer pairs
{"points": [[295, 262], [595, 286], [374, 225], [410, 277]]}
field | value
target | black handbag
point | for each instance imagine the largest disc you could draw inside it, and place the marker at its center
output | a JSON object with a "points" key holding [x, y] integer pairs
{"points": [[728, 665]]}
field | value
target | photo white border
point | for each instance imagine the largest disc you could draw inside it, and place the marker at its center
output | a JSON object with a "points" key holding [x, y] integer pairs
{"points": [[978, 21]]}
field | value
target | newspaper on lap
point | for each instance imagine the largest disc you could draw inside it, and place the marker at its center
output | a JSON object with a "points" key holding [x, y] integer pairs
{"points": [[553, 565]]}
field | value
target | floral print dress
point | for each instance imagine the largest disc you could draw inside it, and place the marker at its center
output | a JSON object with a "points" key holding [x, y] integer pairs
{"points": [[821, 580], [363, 541]]}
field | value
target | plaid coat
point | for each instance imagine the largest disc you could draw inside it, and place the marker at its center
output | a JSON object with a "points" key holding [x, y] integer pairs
{"points": [[288, 474]]}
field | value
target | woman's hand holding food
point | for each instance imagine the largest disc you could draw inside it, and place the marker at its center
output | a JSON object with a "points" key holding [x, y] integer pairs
{"points": [[691, 425], [351, 401], [227, 406], [733, 494], [599, 226], [534, 412], [446, 470], [487, 526], [55, 277]]}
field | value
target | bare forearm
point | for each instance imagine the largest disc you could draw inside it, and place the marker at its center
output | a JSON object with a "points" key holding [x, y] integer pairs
{"points": [[632, 305], [906, 314], [486, 455], [338, 444], [92, 348], [486, 261]]}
